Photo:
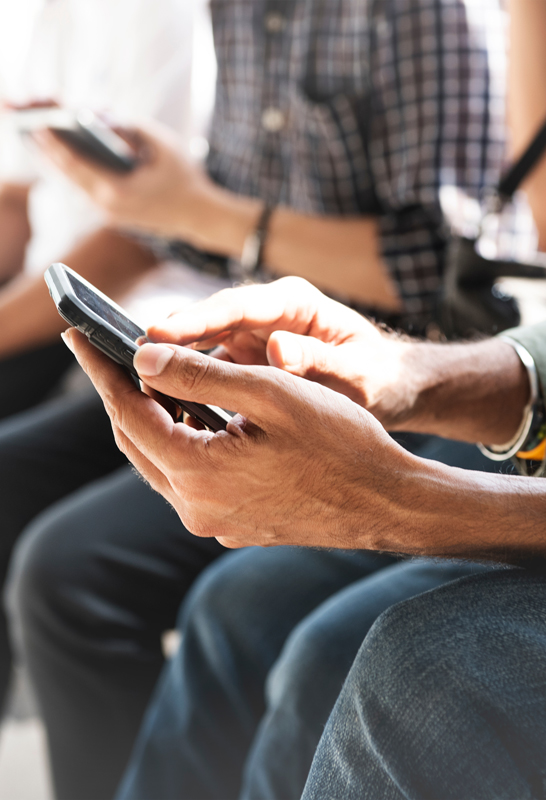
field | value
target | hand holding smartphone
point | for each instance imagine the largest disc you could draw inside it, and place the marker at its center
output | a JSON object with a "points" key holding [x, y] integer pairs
{"points": [[82, 130], [109, 328]]}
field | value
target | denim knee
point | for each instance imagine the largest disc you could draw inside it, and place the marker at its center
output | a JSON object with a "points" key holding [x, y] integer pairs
{"points": [[399, 654], [427, 651], [308, 675]]}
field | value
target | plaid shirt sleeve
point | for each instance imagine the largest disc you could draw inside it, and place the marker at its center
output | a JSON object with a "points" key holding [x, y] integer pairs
{"points": [[431, 125]]}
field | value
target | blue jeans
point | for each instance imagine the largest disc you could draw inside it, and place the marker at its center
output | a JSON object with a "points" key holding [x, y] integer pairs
{"points": [[446, 699], [269, 637]]}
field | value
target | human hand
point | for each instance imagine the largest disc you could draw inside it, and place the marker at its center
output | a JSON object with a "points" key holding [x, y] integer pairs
{"points": [[163, 194], [300, 465], [291, 325]]}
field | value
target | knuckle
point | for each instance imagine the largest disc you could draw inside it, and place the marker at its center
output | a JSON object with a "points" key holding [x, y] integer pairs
{"points": [[320, 361], [115, 409], [119, 439], [200, 528], [295, 285], [194, 372]]}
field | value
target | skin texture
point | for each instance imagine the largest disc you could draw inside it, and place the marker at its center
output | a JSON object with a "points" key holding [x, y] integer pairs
{"points": [[527, 99], [110, 261], [260, 482], [171, 196], [472, 392], [14, 228]]}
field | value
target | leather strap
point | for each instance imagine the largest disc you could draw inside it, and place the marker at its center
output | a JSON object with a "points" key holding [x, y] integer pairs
{"points": [[523, 166]]}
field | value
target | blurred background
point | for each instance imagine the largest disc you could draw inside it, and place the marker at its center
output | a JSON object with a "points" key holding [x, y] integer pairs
{"points": [[25, 24], [24, 771]]}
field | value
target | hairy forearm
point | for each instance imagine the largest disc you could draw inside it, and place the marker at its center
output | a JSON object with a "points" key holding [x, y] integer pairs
{"points": [[28, 317], [454, 513], [470, 392], [14, 229], [339, 255], [527, 99]]}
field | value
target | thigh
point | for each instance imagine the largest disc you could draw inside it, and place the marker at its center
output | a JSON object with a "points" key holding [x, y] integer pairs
{"points": [[254, 598], [48, 452], [27, 378], [305, 682], [113, 553], [326, 642], [211, 696], [446, 698], [95, 581]]}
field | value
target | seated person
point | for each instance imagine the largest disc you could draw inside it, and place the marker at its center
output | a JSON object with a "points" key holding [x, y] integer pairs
{"points": [[347, 196], [364, 493], [64, 52], [67, 51], [472, 647]]}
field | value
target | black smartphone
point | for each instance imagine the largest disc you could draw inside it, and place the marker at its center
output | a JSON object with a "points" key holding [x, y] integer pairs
{"points": [[83, 131], [109, 328]]}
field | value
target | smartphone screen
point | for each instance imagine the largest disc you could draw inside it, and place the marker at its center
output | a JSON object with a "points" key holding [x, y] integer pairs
{"points": [[113, 332], [105, 310]]}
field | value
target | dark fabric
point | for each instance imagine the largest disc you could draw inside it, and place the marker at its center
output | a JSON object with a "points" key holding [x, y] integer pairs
{"points": [[446, 699], [268, 638], [25, 380], [28, 378], [96, 581], [104, 568]]}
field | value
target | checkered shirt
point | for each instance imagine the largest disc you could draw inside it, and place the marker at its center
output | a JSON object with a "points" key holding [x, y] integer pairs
{"points": [[354, 107]]}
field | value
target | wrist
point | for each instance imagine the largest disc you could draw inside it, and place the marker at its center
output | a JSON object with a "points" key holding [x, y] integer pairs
{"points": [[470, 392], [220, 221], [381, 500], [403, 403], [430, 510], [447, 512]]}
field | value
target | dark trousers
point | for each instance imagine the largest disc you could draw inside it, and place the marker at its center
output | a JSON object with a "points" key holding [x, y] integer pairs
{"points": [[93, 586], [25, 381]]}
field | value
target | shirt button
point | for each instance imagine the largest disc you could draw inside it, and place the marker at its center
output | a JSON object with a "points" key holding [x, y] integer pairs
{"points": [[274, 23], [273, 120]]}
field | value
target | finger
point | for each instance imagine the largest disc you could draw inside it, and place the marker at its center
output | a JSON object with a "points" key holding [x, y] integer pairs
{"points": [[189, 375], [239, 348], [149, 472], [151, 475], [168, 404], [148, 426], [231, 544], [290, 303], [301, 355], [76, 167], [221, 354]]}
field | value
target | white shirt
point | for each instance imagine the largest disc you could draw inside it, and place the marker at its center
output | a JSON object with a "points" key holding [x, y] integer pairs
{"points": [[130, 57]]}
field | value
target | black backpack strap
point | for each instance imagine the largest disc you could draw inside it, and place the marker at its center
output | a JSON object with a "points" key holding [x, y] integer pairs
{"points": [[523, 165]]}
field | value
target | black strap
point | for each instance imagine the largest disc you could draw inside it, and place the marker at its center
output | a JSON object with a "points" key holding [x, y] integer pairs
{"points": [[523, 165]]}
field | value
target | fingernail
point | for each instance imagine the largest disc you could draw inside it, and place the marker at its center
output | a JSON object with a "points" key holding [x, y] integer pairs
{"points": [[291, 352], [66, 340], [151, 359]]}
